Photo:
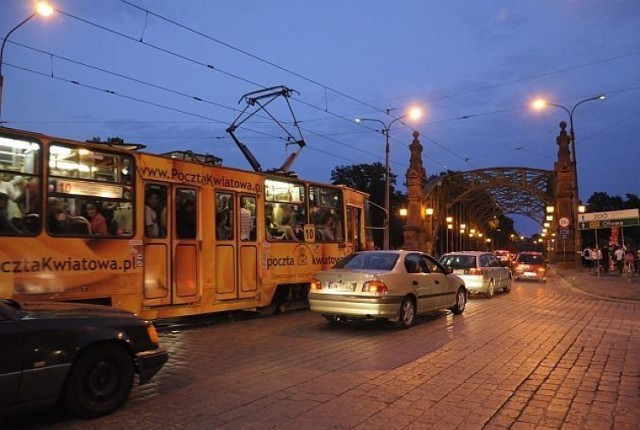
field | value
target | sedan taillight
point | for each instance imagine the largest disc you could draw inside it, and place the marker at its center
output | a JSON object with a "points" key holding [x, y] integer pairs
{"points": [[377, 287], [475, 271], [316, 284]]}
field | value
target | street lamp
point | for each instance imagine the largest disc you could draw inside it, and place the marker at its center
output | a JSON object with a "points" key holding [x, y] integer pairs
{"points": [[41, 9], [449, 220], [540, 104], [414, 113]]}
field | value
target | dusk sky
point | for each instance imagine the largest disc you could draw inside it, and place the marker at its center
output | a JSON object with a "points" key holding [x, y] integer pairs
{"points": [[473, 66]]}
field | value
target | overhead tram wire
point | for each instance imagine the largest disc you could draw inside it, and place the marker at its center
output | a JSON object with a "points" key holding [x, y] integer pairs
{"points": [[310, 80], [321, 135], [129, 78], [169, 90], [377, 109], [139, 100], [192, 61], [270, 63], [187, 28], [208, 66], [163, 50], [201, 63]]}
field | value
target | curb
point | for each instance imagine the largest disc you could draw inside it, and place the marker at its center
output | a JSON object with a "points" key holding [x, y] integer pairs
{"points": [[570, 281]]}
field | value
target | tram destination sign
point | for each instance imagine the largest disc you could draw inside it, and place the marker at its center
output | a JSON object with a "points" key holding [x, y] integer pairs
{"points": [[597, 220]]}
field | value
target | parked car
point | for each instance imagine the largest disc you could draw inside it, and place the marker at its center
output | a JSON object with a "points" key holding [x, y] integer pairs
{"points": [[82, 356], [482, 272], [394, 285], [506, 257], [530, 265]]}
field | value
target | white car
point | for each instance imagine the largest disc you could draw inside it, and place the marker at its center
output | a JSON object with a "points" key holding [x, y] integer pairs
{"points": [[482, 272], [394, 285]]}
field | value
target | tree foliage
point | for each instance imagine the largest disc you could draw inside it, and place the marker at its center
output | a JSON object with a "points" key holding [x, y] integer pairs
{"points": [[370, 178]]}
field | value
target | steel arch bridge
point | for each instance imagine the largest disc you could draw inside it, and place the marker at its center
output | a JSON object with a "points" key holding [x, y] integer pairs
{"points": [[481, 197], [483, 194]]}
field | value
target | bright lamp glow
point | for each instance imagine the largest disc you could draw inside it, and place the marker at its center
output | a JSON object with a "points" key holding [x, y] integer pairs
{"points": [[44, 9], [539, 104], [403, 212], [429, 211], [415, 113]]}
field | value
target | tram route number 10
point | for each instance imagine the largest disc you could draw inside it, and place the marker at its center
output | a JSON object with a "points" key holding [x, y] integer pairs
{"points": [[309, 233]]}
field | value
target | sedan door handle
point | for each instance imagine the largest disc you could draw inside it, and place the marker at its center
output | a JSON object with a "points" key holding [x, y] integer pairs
{"points": [[436, 282], [415, 282]]}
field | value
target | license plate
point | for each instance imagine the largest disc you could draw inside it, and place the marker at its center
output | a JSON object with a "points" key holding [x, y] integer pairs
{"points": [[342, 286], [529, 274]]}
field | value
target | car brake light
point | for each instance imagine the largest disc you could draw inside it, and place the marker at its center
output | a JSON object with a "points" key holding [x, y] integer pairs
{"points": [[315, 284], [377, 287], [475, 271], [541, 270]]}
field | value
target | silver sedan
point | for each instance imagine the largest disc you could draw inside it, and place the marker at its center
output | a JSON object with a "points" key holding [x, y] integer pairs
{"points": [[394, 285]]}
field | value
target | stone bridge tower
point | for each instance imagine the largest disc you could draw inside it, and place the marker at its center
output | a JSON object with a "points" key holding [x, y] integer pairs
{"points": [[415, 236], [564, 213]]}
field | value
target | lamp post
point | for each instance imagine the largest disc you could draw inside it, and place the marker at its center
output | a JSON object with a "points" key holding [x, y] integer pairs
{"points": [[539, 104], [415, 113], [41, 9]]}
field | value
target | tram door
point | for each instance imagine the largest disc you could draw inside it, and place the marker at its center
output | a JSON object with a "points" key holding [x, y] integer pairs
{"points": [[170, 241], [236, 246], [355, 239]]}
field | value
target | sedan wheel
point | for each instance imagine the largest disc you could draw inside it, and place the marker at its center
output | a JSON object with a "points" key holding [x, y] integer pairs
{"points": [[490, 289], [99, 382], [407, 313], [507, 287], [461, 302]]}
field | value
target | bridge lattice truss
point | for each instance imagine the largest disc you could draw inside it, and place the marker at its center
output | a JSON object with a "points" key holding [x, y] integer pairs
{"points": [[486, 193]]}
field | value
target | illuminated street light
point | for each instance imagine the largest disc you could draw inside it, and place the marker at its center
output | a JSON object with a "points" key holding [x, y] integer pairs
{"points": [[414, 114], [540, 104], [41, 9]]}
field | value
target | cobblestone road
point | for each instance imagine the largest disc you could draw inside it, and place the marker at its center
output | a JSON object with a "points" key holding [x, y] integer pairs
{"points": [[542, 356]]}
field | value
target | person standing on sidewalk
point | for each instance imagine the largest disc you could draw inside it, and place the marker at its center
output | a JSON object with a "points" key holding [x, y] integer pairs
{"points": [[618, 257], [629, 262], [605, 259]]}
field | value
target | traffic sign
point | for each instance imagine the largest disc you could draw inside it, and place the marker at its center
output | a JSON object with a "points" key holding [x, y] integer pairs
{"points": [[597, 220], [564, 222]]}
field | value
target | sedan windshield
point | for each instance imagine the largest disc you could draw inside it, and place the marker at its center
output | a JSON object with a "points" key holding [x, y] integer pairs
{"points": [[368, 260], [459, 261]]}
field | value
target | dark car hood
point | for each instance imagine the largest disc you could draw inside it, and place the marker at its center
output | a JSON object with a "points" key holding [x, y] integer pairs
{"points": [[48, 310]]}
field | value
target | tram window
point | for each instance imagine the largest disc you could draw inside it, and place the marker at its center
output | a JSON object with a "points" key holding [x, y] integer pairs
{"points": [[247, 218], [285, 214], [186, 214], [90, 192], [155, 211], [224, 216], [327, 213], [20, 208]]}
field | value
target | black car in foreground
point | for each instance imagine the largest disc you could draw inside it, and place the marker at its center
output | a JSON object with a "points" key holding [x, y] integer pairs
{"points": [[78, 356]]}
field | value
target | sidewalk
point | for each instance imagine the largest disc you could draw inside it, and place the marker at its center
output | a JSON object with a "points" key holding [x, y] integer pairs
{"points": [[611, 286]]}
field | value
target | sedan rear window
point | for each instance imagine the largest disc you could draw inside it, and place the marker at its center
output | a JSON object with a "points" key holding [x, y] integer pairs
{"points": [[531, 259], [368, 260], [459, 261]]}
